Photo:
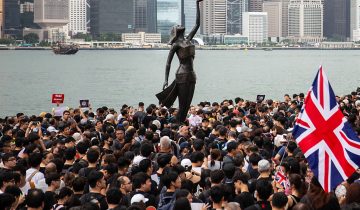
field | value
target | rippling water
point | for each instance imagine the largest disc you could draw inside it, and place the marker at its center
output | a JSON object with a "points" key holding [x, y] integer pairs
{"points": [[115, 77]]}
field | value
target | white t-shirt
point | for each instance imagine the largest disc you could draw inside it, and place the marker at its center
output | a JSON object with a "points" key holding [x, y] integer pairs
{"points": [[36, 178]]}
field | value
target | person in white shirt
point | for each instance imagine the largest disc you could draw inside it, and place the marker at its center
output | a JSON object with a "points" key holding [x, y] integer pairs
{"points": [[194, 119], [33, 175]]}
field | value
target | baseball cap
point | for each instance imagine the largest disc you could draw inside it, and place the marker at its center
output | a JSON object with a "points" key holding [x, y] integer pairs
{"points": [[186, 163], [138, 198]]}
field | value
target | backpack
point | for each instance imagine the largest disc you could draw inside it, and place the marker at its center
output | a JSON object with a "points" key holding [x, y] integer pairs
{"points": [[169, 205]]}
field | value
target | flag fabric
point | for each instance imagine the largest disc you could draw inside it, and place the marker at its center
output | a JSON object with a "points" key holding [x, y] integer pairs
{"points": [[281, 179], [325, 137]]}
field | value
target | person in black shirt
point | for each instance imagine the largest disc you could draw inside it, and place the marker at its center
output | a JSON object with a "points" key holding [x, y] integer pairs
{"points": [[97, 183], [263, 192], [53, 182]]}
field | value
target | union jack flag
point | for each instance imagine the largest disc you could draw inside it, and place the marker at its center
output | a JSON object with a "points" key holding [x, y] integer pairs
{"points": [[325, 137], [281, 179]]}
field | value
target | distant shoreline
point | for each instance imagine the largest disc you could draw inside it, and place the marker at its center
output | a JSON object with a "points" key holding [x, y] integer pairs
{"points": [[198, 48]]}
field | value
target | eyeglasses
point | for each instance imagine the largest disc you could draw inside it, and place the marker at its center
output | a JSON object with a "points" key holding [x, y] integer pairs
{"points": [[11, 159]]}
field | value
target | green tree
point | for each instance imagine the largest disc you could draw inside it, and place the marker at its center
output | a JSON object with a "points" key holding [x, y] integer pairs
{"points": [[86, 37], [109, 37], [7, 41], [31, 38]]}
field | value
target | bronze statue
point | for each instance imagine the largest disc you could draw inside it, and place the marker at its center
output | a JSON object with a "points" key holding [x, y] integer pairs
{"points": [[183, 86]]}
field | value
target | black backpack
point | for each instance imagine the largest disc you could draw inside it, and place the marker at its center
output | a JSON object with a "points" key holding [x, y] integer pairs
{"points": [[166, 205]]}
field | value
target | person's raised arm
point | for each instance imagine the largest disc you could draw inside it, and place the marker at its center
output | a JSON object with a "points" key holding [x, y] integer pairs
{"points": [[197, 23], [168, 65]]}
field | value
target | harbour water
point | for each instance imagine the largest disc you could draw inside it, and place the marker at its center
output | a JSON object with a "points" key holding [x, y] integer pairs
{"points": [[116, 77]]}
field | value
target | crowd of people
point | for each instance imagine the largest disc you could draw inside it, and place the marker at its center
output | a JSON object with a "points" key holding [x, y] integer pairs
{"points": [[231, 155]]}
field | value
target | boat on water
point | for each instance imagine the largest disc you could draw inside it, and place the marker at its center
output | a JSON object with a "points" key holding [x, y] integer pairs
{"points": [[65, 49]]}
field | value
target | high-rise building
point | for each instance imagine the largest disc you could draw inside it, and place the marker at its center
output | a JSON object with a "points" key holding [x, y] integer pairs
{"points": [[51, 13], [275, 13], [77, 17], [255, 5], [189, 14], [213, 17], [1, 17], [12, 26], [111, 16], [145, 16], [234, 14], [168, 15], [27, 14], [255, 26], [337, 19], [305, 20], [355, 20]]}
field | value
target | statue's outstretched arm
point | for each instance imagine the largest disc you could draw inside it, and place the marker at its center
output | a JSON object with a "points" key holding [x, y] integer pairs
{"points": [[168, 65], [197, 23]]}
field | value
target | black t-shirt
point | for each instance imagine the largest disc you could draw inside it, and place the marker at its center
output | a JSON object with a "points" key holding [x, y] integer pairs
{"points": [[245, 199], [90, 196], [260, 205], [147, 119], [50, 198]]}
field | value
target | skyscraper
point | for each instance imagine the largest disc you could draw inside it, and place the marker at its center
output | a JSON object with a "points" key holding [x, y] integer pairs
{"points": [[1, 17], [189, 14], [275, 13], [337, 19], [306, 20], [355, 20], [51, 13], [77, 16], [168, 15], [27, 14], [213, 17], [255, 5], [234, 15], [255, 26], [145, 16], [111, 16], [11, 17]]}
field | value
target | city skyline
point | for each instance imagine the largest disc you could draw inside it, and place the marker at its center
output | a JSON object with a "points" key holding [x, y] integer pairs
{"points": [[309, 20]]}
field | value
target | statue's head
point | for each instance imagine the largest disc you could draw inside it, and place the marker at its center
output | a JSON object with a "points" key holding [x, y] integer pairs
{"points": [[176, 31]]}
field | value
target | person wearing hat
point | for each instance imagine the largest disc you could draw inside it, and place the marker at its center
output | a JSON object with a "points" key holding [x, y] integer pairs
{"points": [[184, 85], [184, 150]]}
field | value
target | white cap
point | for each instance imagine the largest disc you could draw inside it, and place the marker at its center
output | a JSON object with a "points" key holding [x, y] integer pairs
{"points": [[157, 123], [52, 129], [186, 163], [138, 198], [138, 159]]}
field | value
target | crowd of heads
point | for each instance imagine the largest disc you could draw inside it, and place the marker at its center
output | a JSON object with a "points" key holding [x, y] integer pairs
{"points": [[235, 154]]}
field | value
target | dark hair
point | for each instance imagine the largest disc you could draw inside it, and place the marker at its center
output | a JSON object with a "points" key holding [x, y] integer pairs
{"points": [[51, 177], [6, 200], [188, 185], [164, 159], [264, 189], [79, 184], [139, 179], [217, 176], [182, 193], [279, 200], [353, 193], [197, 156], [92, 155], [254, 159], [59, 164], [69, 153], [243, 177], [13, 190], [182, 204], [198, 144], [82, 147], [94, 177], [229, 170], [223, 131], [144, 165], [215, 154], [231, 146], [6, 177], [35, 159], [65, 191], [123, 162], [113, 196], [35, 198], [217, 193], [167, 178], [146, 149], [299, 185]]}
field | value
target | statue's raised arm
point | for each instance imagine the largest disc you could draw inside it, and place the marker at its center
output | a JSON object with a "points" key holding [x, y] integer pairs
{"points": [[197, 23], [183, 86]]}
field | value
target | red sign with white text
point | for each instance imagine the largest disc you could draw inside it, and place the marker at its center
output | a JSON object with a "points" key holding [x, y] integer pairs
{"points": [[58, 98]]}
